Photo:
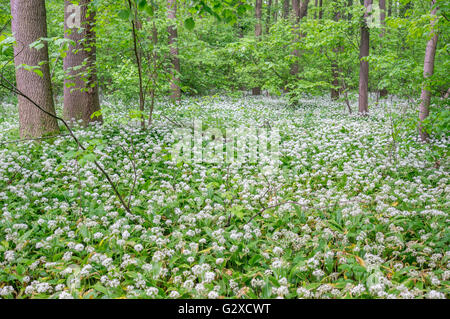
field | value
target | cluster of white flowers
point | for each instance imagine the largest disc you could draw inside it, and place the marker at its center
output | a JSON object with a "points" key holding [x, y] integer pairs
{"points": [[361, 208]]}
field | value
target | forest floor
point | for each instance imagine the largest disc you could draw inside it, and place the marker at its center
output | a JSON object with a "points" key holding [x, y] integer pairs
{"points": [[357, 208]]}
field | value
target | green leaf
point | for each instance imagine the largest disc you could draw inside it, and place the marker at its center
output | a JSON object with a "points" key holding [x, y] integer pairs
{"points": [[124, 14], [142, 4], [189, 23], [150, 10]]}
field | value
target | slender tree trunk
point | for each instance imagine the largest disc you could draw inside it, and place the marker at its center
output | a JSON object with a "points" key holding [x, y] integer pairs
{"points": [[296, 52], [296, 9], [258, 15], [320, 10], [29, 25], [269, 14], [258, 33], [135, 26], [173, 42], [364, 65], [285, 9], [316, 7], [154, 75], [382, 4], [300, 10], [428, 70], [81, 98], [275, 12], [335, 90]]}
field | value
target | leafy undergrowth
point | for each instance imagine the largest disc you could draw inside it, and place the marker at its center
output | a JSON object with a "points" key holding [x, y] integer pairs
{"points": [[370, 218]]}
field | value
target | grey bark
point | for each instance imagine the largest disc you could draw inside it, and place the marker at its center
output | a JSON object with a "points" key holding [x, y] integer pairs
{"points": [[29, 25], [269, 14], [173, 42], [285, 9], [382, 5], [81, 97], [428, 70], [300, 10], [258, 15], [363, 101]]}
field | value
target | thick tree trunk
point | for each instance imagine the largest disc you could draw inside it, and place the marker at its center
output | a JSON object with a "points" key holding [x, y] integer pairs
{"points": [[303, 10], [81, 98], [428, 70], [364, 65], [29, 25], [173, 42]]}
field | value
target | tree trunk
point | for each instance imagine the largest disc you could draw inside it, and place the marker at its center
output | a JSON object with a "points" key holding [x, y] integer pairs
{"points": [[258, 33], [300, 10], [320, 10], [382, 4], [295, 9], [364, 65], [173, 40], [316, 7], [335, 90], [258, 14], [428, 70], [285, 9], [269, 14], [275, 12], [135, 26], [81, 98], [28, 25]]}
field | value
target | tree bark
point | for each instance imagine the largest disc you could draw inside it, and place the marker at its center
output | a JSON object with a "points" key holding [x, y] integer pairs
{"points": [[269, 14], [173, 42], [275, 12], [320, 10], [258, 15], [335, 90], [258, 33], [286, 9], [300, 10], [29, 25], [81, 97], [428, 70], [382, 4], [364, 65]]}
